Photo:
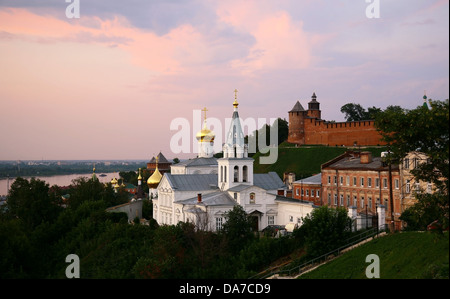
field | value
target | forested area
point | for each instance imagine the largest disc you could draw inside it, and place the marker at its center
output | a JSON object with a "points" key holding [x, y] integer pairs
{"points": [[38, 230]]}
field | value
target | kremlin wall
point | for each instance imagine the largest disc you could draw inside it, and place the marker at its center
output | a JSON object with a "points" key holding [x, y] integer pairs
{"points": [[307, 128]]}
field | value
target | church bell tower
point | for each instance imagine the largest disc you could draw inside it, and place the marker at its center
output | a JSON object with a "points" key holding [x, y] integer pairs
{"points": [[235, 168]]}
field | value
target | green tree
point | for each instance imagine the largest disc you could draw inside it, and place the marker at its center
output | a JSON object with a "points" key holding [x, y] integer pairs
{"points": [[325, 229], [237, 228], [32, 202], [424, 129]]}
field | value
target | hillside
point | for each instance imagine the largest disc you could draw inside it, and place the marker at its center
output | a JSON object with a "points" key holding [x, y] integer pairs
{"points": [[305, 161], [407, 255]]}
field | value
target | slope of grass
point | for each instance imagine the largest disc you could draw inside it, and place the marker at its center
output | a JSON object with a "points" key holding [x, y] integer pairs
{"points": [[304, 161], [406, 255]]}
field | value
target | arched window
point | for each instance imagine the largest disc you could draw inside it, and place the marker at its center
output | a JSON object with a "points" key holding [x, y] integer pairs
{"points": [[244, 174], [236, 173]]}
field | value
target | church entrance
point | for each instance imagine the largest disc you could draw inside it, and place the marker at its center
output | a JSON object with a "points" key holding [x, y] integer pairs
{"points": [[254, 219]]}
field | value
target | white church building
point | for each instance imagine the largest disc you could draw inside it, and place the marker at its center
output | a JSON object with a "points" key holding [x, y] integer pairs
{"points": [[203, 189]]}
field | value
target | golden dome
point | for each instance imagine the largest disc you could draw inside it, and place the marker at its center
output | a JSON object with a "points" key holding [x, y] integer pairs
{"points": [[154, 179], [139, 177], [205, 135], [114, 181]]}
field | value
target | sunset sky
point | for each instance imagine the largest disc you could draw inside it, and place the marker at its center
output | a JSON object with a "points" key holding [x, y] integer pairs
{"points": [[107, 85]]}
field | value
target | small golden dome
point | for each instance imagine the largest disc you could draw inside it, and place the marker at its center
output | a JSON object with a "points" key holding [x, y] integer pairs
{"points": [[114, 181], [139, 177], [154, 179]]}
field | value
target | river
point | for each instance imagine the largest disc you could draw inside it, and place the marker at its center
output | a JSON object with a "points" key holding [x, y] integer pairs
{"points": [[60, 180]]}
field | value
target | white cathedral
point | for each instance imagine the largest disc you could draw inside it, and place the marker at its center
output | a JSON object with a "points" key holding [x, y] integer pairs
{"points": [[203, 189]]}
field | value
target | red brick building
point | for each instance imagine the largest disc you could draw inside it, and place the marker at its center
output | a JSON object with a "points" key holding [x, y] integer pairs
{"points": [[309, 189], [357, 179], [307, 127]]}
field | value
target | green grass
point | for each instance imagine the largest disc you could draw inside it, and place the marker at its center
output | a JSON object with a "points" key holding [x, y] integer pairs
{"points": [[304, 161], [407, 255]]}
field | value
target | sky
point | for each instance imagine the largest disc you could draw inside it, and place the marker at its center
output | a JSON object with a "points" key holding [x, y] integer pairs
{"points": [[109, 83]]}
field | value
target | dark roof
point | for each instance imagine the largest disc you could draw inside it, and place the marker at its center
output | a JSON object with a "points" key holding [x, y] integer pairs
{"points": [[315, 179], [297, 107], [350, 160], [161, 159]]}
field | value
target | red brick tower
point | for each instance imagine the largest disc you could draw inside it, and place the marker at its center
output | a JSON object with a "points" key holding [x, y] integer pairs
{"points": [[297, 124]]}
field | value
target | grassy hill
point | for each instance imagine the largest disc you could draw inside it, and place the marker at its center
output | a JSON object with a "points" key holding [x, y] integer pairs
{"points": [[406, 255], [305, 161]]}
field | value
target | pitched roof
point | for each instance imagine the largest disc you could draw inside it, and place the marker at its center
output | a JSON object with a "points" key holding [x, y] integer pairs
{"points": [[198, 162], [268, 181], [218, 198], [192, 182], [161, 159], [297, 107], [315, 179]]}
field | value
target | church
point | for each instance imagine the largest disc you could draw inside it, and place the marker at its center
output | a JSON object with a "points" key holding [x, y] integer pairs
{"points": [[203, 189]]}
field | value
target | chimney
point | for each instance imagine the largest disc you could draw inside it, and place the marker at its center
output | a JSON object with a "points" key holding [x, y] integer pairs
{"points": [[199, 197], [366, 157], [280, 192]]}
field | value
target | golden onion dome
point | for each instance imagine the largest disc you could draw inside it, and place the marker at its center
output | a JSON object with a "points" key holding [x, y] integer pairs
{"points": [[205, 135], [139, 177], [114, 181], [154, 179]]}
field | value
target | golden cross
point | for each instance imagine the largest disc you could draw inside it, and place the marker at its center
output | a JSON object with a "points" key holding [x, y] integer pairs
{"points": [[204, 110], [235, 94]]}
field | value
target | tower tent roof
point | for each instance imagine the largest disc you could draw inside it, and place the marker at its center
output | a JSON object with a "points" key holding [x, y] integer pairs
{"points": [[297, 107]]}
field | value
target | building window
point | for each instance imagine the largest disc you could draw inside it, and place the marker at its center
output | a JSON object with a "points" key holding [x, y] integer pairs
{"points": [[370, 202], [307, 192], [341, 200], [369, 182], [354, 181], [318, 193], [396, 184], [348, 180], [335, 180], [329, 199], [296, 191], [270, 220], [244, 174], [348, 200], [312, 192], [415, 162], [362, 202], [291, 218], [341, 179], [377, 182], [429, 188], [329, 180], [355, 201], [408, 186], [235, 195], [219, 223], [252, 197], [406, 163], [385, 184], [335, 200], [236, 173], [362, 182]]}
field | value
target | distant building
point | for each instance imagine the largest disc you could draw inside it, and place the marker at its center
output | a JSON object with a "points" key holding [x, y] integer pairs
{"points": [[309, 189], [161, 161], [307, 127]]}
